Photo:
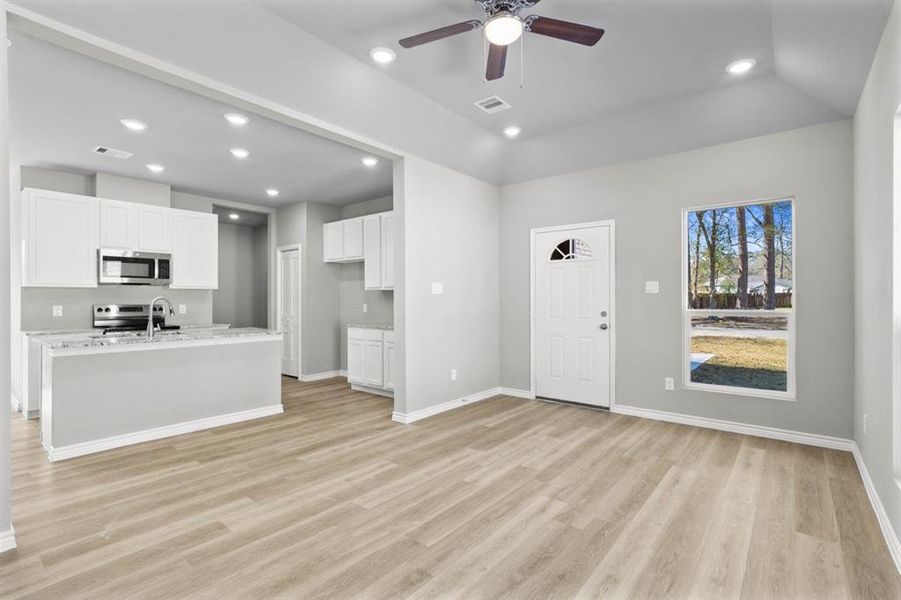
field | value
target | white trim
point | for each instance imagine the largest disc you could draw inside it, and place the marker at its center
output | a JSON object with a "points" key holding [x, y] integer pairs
{"points": [[372, 390], [773, 433], [888, 532], [896, 300], [138, 437], [8, 540], [320, 376], [15, 403], [278, 298], [791, 375], [611, 223], [515, 393], [418, 415]]}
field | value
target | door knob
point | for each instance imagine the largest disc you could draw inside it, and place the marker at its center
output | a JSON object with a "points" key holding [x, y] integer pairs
{"points": [[603, 326]]}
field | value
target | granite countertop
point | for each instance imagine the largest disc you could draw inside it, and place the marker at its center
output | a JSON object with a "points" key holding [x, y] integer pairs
{"points": [[46, 332], [386, 326], [73, 341]]}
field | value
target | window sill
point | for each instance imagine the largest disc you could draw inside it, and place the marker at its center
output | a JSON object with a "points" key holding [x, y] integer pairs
{"points": [[736, 391]]}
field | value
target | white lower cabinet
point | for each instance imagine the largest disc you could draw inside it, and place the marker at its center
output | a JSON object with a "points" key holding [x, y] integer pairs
{"points": [[368, 362]]}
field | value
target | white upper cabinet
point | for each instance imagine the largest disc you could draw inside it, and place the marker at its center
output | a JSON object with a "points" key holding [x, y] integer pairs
{"points": [[155, 229], [343, 241], [60, 239], [195, 250], [372, 252], [118, 224], [134, 226], [388, 237]]}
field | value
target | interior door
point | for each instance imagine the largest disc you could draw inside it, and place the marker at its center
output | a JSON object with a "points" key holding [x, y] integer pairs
{"points": [[289, 310], [573, 292]]}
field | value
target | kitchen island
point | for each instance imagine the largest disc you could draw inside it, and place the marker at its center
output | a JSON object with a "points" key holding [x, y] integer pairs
{"points": [[105, 391]]}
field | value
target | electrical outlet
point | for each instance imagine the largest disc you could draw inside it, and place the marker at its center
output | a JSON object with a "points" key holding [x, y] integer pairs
{"points": [[365, 308], [865, 423], [651, 287], [57, 310], [453, 374], [182, 309], [669, 384], [437, 288]]}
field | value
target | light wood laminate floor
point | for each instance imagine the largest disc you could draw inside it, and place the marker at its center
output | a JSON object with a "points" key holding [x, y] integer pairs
{"points": [[506, 498]]}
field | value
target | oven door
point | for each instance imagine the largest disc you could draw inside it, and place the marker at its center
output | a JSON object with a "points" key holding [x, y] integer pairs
{"points": [[129, 267]]}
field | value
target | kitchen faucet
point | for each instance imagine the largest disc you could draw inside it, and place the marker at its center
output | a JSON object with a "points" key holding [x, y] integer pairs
{"points": [[150, 314]]}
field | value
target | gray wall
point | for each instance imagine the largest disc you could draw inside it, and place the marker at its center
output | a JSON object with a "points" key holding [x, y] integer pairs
{"points": [[646, 199], [241, 258], [450, 225], [60, 181], [874, 278], [116, 187]]}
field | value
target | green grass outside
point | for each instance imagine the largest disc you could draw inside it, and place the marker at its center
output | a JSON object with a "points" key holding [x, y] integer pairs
{"points": [[758, 363]]}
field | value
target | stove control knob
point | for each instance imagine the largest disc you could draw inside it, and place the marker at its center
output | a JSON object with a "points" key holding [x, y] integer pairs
{"points": [[106, 309]]}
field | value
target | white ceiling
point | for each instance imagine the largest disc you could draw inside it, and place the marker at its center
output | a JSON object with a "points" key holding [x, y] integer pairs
{"points": [[64, 104], [653, 53]]}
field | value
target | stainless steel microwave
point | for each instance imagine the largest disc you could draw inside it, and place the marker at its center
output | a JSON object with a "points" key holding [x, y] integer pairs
{"points": [[130, 267]]}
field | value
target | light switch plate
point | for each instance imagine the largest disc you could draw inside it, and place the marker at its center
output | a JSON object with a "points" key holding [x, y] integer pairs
{"points": [[651, 287], [182, 309], [365, 307], [453, 374], [57, 310], [437, 288]]}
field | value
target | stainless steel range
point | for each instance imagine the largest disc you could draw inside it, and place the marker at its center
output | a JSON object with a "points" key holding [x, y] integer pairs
{"points": [[128, 317]]}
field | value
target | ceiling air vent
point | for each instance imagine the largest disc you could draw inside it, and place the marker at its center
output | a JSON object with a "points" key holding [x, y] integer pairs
{"points": [[112, 152], [493, 104]]}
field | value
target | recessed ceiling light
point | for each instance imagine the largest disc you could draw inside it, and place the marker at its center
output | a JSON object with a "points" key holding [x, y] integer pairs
{"points": [[272, 192], [156, 168], [236, 119], [741, 66], [240, 152], [134, 124], [503, 29], [369, 161], [382, 55], [234, 216], [512, 131]]}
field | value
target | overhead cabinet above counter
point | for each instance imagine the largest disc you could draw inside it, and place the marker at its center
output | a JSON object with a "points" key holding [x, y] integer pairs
{"points": [[370, 239], [62, 234]]}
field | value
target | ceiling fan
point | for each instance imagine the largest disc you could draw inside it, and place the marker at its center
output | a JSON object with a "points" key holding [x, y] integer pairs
{"points": [[503, 25]]}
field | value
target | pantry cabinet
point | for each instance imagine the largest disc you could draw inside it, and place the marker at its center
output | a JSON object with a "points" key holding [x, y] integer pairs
{"points": [[195, 250], [60, 235]]}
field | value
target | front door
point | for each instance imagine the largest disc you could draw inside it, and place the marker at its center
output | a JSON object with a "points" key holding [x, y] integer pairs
{"points": [[573, 293]]}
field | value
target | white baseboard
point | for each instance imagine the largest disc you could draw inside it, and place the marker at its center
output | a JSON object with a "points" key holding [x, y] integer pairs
{"points": [[7, 539], [786, 435], [506, 391], [891, 538], [148, 435], [418, 415], [320, 376]]}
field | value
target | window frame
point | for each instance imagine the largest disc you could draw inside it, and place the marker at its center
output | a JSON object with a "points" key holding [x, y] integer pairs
{"points": [[790, 394]]}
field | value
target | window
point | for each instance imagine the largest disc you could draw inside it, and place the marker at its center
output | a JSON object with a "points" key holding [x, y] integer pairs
{"points": [[738, 306], [572, 250]]}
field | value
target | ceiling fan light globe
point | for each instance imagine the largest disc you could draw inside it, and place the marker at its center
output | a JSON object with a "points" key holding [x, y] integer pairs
{"points": [[503, 29]]}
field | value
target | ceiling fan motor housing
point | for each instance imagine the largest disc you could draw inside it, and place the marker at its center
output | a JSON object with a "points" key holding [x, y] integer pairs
{"points": [[493, 7]]}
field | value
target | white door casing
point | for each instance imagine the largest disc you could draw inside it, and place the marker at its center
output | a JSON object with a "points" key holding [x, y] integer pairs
{"points": [[572, 309], [288, 308]]}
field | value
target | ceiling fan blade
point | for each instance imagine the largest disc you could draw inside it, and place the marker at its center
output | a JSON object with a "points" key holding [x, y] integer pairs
{"points": [[564, 30], [439, 34], [497, 62]]}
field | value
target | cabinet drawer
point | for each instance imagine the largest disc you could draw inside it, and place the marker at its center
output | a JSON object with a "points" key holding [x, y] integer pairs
{"points": [[373, 335]]}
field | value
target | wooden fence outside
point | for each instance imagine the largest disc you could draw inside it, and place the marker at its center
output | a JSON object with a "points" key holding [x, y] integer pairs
{"points": [[730, 301]]}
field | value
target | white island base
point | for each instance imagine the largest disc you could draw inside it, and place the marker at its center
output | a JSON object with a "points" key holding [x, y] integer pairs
{"points": [[98, 398]]}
